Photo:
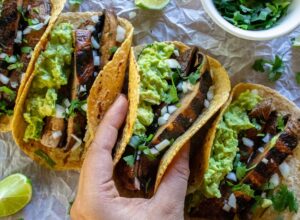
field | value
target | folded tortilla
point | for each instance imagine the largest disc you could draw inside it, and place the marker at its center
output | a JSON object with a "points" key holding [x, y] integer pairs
{"points": [[56, 8], [65, 158], [201, 159], [221, 84]]}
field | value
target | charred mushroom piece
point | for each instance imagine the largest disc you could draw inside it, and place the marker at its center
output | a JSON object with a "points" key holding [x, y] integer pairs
{"points": [[108, 39], [53, 132], [187, 60], [9, 24], [263, 110]]}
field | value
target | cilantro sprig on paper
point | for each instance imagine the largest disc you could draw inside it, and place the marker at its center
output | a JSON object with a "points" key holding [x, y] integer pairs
{"points": [[253, 14], [274, 68]]}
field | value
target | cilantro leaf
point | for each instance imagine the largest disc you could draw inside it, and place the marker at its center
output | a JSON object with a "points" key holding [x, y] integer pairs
{"points": [[244, 188], [283, 199], [112, 50], [129, 160], [4, 109], [274, 69], [45, 157], [193, 77], [8, 91], [280, 123], [171, 96], [241, 171], [75, 106], [298, 78]]}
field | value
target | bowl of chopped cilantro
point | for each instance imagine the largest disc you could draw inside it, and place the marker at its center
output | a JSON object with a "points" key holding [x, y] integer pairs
{"points": [[255, 19]]}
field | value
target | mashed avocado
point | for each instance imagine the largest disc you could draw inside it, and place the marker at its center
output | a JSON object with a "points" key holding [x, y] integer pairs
{"points": [[154, 72], [225, 144], [51, 71]]}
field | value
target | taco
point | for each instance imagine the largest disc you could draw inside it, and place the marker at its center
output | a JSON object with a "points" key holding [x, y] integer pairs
{"points": [[173, 90], [249, 163], [23, 24], [50, 120]]}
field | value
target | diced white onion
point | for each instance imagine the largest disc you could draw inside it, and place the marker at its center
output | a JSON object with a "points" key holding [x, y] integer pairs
{"points": [[95, 18], [4, 79], [56, 134], [254, 91], [3, 55], [232, 201], [162, 145], [176, 53], [206, 103], [95, 44], [231, 176], [46, 19], [210, 93], [132, 15], [187, 86], [172, 109], [284, 169], [96, 61], [84, 107], [121, 34], [59, 111], [261, 149], [14, 85], [137, 184], [78, 142], [179, 86], [82, 88], [18, 38], [27, 30], [226, 207], [12, 59], [66, 103], [267, 138], [265, 160], [275, 180], [166, 116], [154, 151], [161, 121], [173, 64], [247, 142], [164, 110], [90, 28], [37, 26]]}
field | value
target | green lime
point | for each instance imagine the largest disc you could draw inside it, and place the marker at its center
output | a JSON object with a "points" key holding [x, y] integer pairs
{"points": [[15, 194], [152, 4], [296, 42]]}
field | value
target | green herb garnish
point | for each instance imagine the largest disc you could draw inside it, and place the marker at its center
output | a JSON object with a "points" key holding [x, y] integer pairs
{"points": [[4, 109], [112, 50], [283, 199], [274, 69], [15, 66], [26, 50], [8, 91], [244, 188], [130, 159], [171, 96], [280, 123], [252, 15], [45, 157], [193, 77], [241, 171], [74, 107]]}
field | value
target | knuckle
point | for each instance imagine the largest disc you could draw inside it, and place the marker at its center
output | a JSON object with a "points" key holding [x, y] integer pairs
{"points": [[182, 172]]}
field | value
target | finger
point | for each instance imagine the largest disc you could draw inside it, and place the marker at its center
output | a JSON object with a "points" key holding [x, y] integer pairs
{"points": [[175, 180], [98, 164]]}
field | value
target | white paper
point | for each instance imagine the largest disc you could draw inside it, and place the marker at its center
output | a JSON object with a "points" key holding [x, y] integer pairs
{"points": [[182, 20]]}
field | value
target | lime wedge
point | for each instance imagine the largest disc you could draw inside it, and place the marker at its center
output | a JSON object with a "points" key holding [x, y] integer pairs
{"points": [[15, 194], [152, 4], [296, 42]]}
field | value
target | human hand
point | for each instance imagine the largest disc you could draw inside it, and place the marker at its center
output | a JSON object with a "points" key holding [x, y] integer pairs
{"points": [[97, 196]]}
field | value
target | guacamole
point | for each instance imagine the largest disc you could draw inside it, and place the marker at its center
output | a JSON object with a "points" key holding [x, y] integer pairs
{"points": [[52, 71], [154, 72], [225, 145]]}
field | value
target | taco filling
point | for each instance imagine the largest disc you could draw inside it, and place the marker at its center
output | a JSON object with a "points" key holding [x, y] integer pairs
{"points": [[22, 24], [247, 162], [55, 109], [174, 89]]}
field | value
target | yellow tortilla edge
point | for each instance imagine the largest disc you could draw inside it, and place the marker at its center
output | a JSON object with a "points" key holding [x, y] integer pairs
{"points": [[75, 157], [56, 8]]}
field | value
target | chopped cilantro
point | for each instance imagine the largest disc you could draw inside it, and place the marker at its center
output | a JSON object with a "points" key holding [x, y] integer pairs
{"points": [[252, 15], [17, 65], [171, 96], [280, 123], [45, 157], [268, 186], [75, 2], [113, 50], [283, 199], [274, 69], [26, 50], [130, 159], [4, 108], [241, 171], [244, 188], [193, 77], [8, 91], [75, 106], [297, 76]]}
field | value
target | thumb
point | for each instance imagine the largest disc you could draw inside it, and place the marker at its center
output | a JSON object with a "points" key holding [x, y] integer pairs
{"points": [[97, 167], [172, 189]]}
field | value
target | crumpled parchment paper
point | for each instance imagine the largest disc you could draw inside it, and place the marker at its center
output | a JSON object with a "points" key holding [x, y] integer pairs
{"points": [[182, 20]]}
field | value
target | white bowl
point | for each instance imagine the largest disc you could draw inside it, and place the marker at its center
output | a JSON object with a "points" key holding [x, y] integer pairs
{"points": [[285, 25]]}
